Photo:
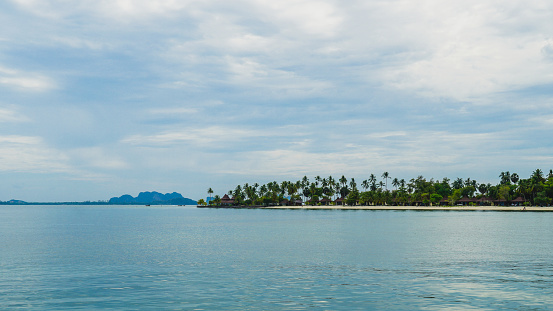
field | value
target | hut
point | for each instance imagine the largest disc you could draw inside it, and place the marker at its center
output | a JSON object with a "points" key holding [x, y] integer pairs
{"points": [[226, 201], [518, 201], [339, 201], [311, 202], [466, 201], [325, 201], [485, 201]]}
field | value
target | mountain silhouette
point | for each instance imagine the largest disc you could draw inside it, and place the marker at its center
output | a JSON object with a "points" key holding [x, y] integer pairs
{"points": [[153, 197]]}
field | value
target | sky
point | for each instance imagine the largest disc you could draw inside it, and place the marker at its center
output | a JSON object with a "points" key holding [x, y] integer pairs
{"points": [[102, 98]]}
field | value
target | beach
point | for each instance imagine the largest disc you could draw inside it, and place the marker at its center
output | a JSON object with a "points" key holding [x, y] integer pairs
{"points": [[419, 208]]}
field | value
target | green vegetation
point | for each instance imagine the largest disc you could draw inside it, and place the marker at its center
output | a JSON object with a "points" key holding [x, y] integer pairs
{"points": [[511, 190]]}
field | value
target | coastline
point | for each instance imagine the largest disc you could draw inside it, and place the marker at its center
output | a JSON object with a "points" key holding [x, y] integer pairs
{"points": [[400, 208]]}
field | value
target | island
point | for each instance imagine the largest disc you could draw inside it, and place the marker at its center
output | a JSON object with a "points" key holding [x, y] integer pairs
{"points": [[143, 198], [510, 193]]}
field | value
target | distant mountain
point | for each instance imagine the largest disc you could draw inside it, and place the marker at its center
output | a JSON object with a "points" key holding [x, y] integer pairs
{"points": [[154, 198], [19, 202]]}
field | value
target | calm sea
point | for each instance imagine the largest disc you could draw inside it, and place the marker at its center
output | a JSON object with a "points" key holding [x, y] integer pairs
{"points": [[184, 258]]}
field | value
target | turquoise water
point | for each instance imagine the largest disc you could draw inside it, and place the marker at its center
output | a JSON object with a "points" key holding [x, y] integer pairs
{"points": [[183, 258]]}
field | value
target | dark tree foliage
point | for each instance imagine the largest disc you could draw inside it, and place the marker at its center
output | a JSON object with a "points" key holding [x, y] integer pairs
{"points": [[537, 189]]}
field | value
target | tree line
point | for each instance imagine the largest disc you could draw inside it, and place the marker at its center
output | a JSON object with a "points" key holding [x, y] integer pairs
{"points": [[537, 189]]}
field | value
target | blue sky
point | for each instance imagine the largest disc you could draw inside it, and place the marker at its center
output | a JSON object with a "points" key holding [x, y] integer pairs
{"points": [[102, 98]]}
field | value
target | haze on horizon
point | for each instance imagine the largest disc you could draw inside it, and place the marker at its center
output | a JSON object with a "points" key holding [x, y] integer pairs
{"points": [[103, 98]]}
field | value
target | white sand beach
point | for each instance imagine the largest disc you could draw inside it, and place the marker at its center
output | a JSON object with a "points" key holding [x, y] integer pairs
{"points": [[421, 208]]}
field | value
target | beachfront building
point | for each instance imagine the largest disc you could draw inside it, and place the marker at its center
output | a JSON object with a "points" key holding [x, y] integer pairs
{"points": [[291, 202], [466, 201], [518, 201], [226, 201], [325, 201], [485, 201]]}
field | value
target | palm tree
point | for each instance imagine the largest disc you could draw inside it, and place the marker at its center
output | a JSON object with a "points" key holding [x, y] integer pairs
{"points": [[353, 184], [304, 182], [209, 192], [249, 191], [343, 180], [262, 190], [331, 184], [514, 178], [312, 190], [291, 189], [483, 188], [217, 199], [537, 175], [386, 175], [457, 183], [372, 179], [337, 189], [505, 178], [365, 184], [395, 183]]}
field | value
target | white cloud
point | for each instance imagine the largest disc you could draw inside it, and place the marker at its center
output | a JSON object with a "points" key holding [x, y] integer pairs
{"points": [[25, 80], [249, 73], [9, 115], [97, 157], [343, 68], [415, 153], [467, 71], [172, 111], [321, 18], [547, 50], [197, 136], [30, 154], [466, 53], [116, 9], [81, 43]]}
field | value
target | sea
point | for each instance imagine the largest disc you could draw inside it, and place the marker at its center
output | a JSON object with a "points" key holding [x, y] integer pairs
{"points": [[188, 258]]}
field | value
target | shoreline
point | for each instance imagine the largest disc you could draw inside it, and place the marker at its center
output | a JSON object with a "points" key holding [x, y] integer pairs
{"points": [[400, 208]]}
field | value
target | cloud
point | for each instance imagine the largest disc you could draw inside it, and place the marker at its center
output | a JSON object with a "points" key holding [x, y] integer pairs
{"points": [[115, 9], [247, 72], [11, 116], [172, 111], [471, 71], [547, 50], [214, 136], [263, 88], [434, 152], [96, 157], [30, 154], [462, 51], [320, 18], [25, 80]]}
